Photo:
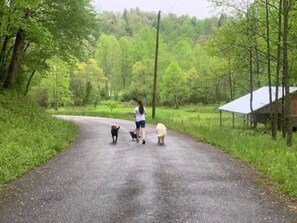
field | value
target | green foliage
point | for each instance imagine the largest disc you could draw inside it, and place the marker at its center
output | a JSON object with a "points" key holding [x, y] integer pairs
{"points": [[183, 52], [55, 89], [174, 86], [125, 77], [207, 80], [245, 33], [86, 82], [29, 136], [108, 56], [127, 41], [176, 28], [144, 45], [50, 28], [130, 68], [142, 81]]}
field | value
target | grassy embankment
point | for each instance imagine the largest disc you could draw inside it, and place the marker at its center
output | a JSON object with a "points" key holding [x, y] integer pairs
{"points": [[28, 136], [273, 158]]}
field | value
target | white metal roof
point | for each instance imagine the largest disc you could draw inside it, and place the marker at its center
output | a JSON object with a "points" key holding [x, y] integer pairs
{"points": [[260, 99]]}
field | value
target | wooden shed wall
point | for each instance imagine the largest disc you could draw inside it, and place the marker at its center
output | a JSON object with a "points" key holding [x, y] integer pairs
{"points": [[263, 114], [294, 104], [294, 109]]}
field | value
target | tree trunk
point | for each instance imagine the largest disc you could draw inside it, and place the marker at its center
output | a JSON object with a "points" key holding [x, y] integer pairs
{"points": [[3, 59], [16, 59], [3, 46], [251, 78], [272, 108], [278, 65], [29, 82], [257, 81], [18, 50], [230, 81], [251, 71], [284, 126], [286, 73], [106, 90]]}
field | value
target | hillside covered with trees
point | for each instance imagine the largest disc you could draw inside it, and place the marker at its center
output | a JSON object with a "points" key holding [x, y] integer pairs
{"points": [[120, 62]]}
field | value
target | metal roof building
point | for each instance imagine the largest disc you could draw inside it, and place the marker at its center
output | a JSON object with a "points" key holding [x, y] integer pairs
{"points": [[260, 100]]}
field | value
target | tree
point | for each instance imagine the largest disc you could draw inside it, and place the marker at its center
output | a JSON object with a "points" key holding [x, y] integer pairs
{"points": [[183, 53], [144, 45], [270, 46], [126, 63], [108, 56], [54, 90], [142, 81], [86, 82], [48, 27], [174, 89], [286, 74]]}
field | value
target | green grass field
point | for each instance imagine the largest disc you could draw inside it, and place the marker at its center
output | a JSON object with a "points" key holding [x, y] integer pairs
{"points": [[274, 159], [28, 136]]}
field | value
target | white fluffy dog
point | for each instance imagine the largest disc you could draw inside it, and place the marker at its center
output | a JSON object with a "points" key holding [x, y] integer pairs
{"points": [[161, 133]]}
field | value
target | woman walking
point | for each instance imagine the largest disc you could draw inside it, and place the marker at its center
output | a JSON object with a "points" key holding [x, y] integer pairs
{"points": [[139, 113]]}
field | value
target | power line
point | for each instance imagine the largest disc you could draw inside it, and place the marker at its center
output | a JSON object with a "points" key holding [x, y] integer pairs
{"points": [[166, 2]]}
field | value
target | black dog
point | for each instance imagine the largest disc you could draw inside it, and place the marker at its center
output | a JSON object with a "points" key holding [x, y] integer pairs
{"points": [[114, 133], [133, 135]]}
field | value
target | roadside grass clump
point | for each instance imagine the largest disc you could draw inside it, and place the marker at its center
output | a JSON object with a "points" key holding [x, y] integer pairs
{"points": [[272, 158], [28, 136]]}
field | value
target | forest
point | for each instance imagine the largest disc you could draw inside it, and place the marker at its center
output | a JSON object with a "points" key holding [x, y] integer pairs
{"points": [[67, 54]]}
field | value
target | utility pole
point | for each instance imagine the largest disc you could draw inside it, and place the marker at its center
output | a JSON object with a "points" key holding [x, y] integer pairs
{"points": [[156, 68], [56, 89]]}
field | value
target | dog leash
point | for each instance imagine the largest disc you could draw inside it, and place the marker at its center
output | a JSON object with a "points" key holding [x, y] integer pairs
{"points": [[134, 131]]}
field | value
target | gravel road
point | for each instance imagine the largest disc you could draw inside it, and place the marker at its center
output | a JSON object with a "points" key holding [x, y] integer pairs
{"points": [[182, 181]]}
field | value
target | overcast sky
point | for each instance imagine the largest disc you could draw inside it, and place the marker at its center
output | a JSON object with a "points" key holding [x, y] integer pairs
{"points": [[199, 8]]}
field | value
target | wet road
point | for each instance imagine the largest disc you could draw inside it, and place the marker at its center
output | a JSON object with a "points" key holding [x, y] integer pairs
{"points": [[97, 181]]}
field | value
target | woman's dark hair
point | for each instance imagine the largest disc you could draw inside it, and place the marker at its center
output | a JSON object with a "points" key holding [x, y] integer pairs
{"points": [[140, 106]]}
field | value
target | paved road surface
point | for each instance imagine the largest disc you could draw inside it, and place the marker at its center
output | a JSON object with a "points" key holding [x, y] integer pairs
{"points": [[97, 181]]}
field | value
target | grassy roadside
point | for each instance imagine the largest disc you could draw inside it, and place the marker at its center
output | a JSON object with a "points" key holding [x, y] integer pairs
{"points": [[28, 136], [273, 158]]}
